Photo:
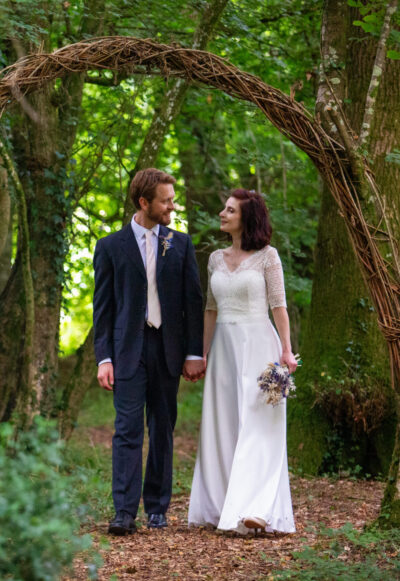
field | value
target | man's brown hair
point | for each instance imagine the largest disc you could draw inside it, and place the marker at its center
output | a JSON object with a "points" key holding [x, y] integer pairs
{"points": [[145, 182]]}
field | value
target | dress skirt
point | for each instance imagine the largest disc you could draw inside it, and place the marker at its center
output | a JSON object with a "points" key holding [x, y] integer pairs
{"points": [[241, 468]]}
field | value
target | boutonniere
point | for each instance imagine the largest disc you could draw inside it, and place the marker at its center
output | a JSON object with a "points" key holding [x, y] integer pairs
{"points": [[166, 242]]}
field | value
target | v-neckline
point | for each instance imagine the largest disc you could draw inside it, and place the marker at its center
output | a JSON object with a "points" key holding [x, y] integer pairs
{"points": [[240, 263]]}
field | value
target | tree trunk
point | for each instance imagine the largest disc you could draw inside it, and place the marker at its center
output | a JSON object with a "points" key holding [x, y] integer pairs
{"points": [[205, 179], [5, 227], [84, 369], [34, 152], [385, 137], [5, 206], [6, 255], [346, 367], [42, 139]]}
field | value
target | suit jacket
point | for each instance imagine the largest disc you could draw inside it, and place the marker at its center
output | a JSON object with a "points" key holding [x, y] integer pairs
{"points": [[120, 299]]}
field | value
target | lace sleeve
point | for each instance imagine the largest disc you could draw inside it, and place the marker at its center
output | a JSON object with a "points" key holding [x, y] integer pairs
{"points": [[211, 304], [274, 279]]}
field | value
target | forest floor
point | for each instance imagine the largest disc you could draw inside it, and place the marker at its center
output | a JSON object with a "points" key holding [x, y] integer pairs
{"points": [[199, 553]]}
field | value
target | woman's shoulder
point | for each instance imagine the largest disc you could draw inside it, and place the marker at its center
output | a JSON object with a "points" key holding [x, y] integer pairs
{"points": [[270, 255], [214, 256]]}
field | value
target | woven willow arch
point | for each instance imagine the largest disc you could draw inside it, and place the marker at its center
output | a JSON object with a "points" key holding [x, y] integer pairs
{"points": [[335, 162]]}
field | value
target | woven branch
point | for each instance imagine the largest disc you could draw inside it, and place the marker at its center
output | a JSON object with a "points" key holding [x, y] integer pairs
{"points": [[130, 56]]}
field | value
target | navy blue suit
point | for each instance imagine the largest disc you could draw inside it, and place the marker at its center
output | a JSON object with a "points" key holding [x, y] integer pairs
{"points": [[147, 361]]}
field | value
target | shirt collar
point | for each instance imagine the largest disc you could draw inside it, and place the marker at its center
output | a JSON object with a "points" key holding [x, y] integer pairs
{"points": [[140, 231]]}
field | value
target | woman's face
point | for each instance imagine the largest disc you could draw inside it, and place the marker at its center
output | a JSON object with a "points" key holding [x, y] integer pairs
{"points": [[231, 217]]}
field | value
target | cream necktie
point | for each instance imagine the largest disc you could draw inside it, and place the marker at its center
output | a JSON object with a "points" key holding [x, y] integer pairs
{"points": [[153, 302]]}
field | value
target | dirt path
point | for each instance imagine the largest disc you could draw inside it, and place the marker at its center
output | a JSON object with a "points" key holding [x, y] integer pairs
{"points": [[199, 554]]}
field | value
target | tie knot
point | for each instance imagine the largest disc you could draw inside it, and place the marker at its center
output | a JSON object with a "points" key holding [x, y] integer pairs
{"points": [[149, 234]]}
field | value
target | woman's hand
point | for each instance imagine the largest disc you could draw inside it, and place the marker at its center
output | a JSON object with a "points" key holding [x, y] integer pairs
{"points": [[287, 358]]}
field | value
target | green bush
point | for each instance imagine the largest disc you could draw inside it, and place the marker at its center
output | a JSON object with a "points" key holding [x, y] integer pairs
{"points": [[38, 520]]}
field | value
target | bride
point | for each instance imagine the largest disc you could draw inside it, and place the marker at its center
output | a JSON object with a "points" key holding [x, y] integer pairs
{"points": [[241, 476]]}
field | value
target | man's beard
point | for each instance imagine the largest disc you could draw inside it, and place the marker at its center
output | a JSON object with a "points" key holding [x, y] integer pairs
{"points": [[163, 218]]}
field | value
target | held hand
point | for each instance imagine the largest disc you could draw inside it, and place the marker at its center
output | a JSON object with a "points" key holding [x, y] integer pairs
{"points": [[289, 359], [105, 376], [193, 369]]}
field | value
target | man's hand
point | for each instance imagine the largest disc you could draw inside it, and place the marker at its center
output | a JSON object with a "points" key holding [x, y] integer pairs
{"points": [[105, 376], [193, 369]]}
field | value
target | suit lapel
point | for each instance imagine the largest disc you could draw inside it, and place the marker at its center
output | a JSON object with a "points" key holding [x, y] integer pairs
{"points": [[162, 257], [131, 248]]}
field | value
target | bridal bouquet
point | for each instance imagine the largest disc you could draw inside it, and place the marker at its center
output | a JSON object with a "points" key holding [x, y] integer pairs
{"points": [[276, 382]]}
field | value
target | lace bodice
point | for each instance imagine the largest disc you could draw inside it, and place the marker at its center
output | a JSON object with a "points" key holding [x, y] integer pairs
{"points": [[246, 292]]}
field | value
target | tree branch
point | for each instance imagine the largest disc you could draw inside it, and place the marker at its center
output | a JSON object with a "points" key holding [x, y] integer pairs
{"points": [[173, 98], [377, 71], [67, 21]]}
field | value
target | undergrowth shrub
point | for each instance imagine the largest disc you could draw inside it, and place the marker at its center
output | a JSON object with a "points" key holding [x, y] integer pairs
{"points": [[39, 521]]}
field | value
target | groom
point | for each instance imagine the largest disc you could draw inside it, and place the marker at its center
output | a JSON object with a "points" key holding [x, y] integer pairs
{"points": [[147, 312]]}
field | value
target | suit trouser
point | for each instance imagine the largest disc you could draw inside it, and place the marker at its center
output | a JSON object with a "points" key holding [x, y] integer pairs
{"points": [[154, 389]]}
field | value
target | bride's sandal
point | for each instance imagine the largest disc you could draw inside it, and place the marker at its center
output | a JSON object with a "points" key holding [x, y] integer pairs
{"points": [[253, 522]]}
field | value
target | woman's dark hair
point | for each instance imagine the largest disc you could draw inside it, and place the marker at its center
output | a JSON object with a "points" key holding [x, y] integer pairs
{"points": [[257, 229]]}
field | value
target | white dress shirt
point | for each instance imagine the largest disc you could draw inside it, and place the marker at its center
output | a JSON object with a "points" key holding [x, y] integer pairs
{"points": [[140, 235]]}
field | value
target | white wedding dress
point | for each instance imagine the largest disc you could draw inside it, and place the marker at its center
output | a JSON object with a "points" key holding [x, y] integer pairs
{"points": [[241, 467]]}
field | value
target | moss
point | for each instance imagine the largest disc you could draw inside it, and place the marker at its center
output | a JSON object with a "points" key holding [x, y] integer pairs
{"points": [[390, 509], [348, 431], [389, 517], [382, 442], [306, 429], [306, 440], [340, 412]]}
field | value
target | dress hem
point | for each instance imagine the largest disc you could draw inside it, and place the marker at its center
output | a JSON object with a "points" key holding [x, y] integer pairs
{"points": [[241, 529]]}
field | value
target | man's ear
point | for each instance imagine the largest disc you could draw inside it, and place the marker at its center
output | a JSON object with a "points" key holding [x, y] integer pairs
{"points": [[144, 204]]}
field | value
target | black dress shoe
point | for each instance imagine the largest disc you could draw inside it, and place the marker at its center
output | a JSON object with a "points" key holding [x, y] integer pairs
{"points": [[122, 524], [157, 521]]}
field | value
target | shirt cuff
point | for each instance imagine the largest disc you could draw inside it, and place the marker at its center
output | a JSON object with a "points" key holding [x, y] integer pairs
{"points": [[193, 358], [108, 360]]}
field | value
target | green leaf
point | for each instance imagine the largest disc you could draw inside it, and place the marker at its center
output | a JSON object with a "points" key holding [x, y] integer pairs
{"points": [[395, 35], [393, 54], [372, 17], [368, 27]]}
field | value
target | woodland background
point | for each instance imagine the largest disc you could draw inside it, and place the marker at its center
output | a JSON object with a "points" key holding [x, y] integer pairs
{"points": [[72, 149]]}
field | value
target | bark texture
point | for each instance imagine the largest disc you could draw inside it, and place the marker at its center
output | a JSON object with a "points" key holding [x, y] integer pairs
{"points": [[346, 360], [5, 227], [5, 206], [43, 133]]}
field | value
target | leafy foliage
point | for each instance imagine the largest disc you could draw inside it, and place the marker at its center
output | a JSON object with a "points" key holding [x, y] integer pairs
{"points": [[38, 520], [230, 143], [372, 14]]}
